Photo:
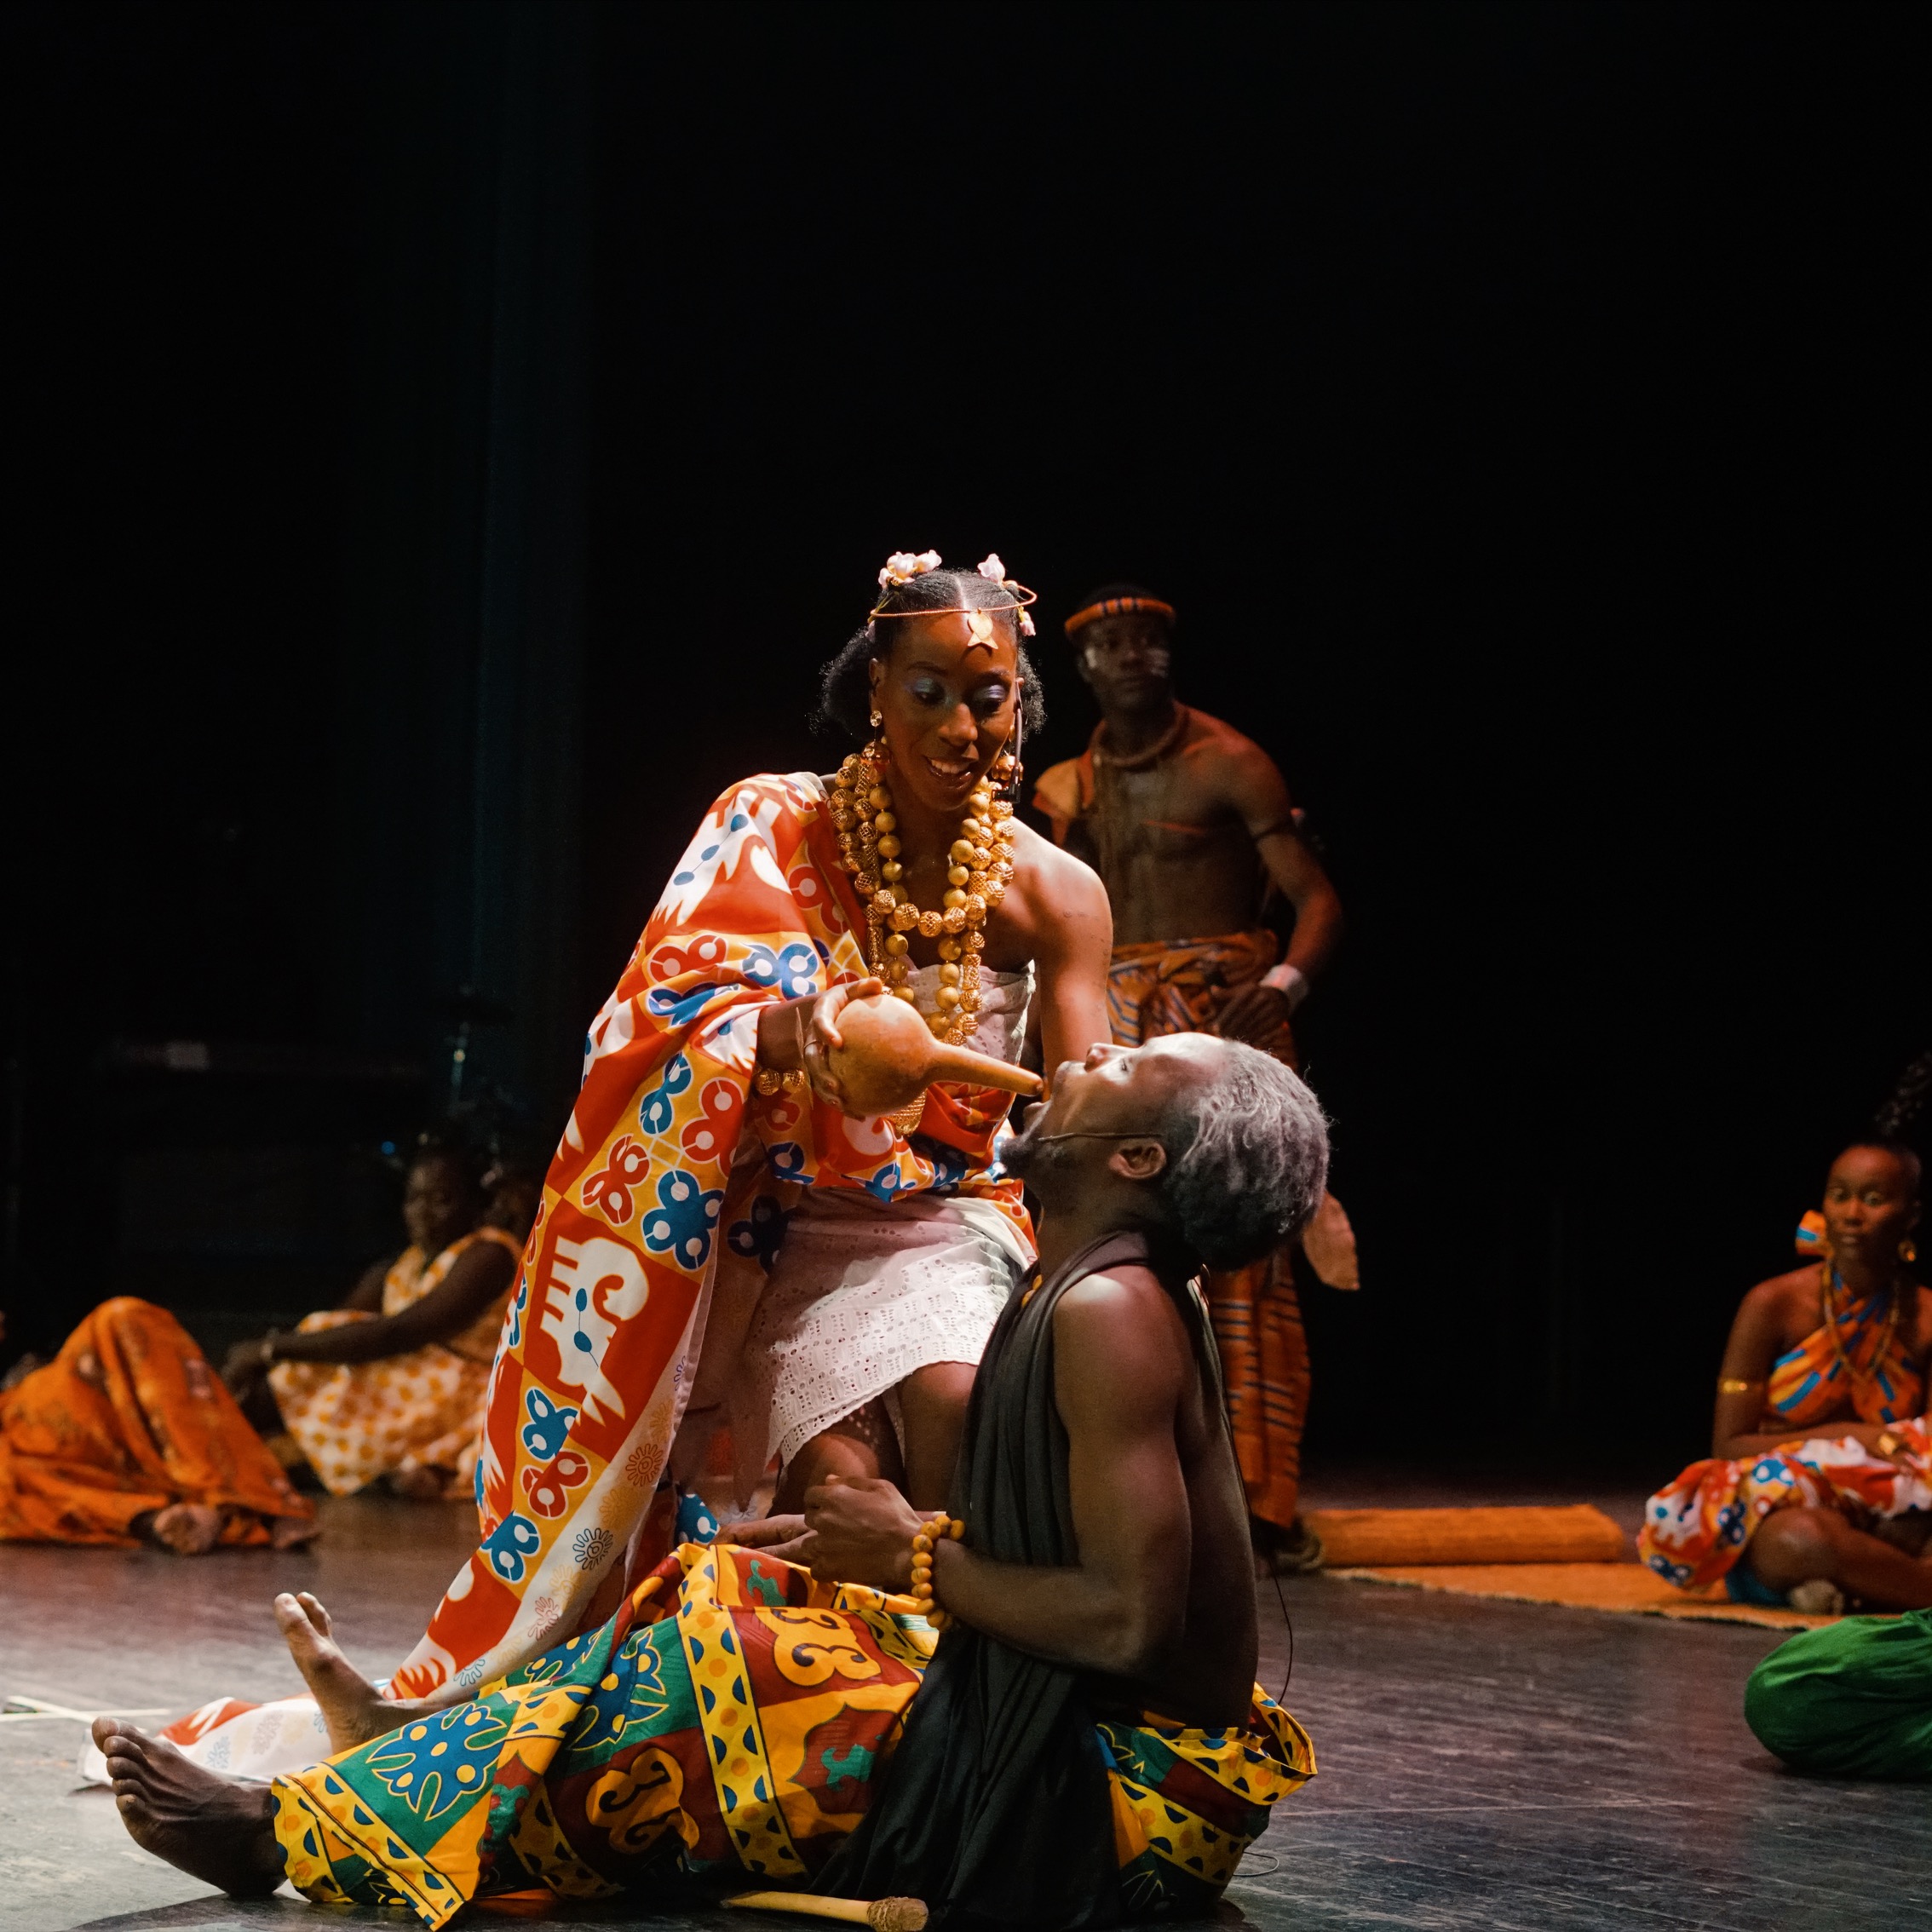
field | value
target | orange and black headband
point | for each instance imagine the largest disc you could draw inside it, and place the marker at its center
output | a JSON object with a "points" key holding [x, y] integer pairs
{"points": [[1117, 607]]}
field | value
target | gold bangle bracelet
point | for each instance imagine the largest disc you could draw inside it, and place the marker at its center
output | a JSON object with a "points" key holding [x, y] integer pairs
{"points": [[1729, 1385], [768, 1080]]}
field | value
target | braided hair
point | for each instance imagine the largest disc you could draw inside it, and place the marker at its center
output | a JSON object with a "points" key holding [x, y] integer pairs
{"points": [[1892, 1124], [845, 697]]}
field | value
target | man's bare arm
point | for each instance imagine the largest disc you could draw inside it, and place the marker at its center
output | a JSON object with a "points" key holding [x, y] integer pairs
{"points": [[1254, 788], [1306, 886], [1122, 1363]]}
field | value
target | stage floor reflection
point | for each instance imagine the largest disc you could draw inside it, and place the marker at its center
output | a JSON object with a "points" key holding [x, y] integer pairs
{"points": [[1483, 1765]]}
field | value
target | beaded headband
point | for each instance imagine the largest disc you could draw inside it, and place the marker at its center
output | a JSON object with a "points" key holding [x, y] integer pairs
{"points": [[1117, 606], [902, 567]]}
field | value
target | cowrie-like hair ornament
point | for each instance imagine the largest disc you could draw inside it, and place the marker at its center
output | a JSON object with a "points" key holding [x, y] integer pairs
{"points": [[903, 566], [989, 567]]}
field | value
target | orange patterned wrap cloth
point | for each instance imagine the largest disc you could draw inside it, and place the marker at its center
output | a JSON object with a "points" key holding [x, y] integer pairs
{"points": [[127, 1419], [731, 1722], [1695, 1530]]}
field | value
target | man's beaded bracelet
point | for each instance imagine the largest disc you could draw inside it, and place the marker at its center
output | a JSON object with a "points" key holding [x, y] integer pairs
{"points": [[936, 1529]]}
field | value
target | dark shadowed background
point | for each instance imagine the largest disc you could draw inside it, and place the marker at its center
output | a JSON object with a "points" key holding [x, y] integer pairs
{"points": [[449, 437]]}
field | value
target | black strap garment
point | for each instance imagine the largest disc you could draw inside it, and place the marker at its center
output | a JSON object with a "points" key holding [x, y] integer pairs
{"points": [[994, 1809]]}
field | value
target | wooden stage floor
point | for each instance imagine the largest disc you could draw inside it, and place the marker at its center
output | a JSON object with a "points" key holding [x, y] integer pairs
{"points": [[1483, 1765]]}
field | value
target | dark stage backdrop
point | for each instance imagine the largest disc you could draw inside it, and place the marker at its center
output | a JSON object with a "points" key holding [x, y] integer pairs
{"points": [[457, 435]]}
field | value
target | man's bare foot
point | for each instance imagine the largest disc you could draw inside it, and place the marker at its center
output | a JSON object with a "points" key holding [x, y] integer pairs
{"points": [[189, 1529], [214, 1828], [290, 1533], [351, 1706]]}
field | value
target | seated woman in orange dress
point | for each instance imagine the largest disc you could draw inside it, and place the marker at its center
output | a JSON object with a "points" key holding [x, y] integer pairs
{"points": [[127, 1436], [392, 1383], [1819, 1480]]}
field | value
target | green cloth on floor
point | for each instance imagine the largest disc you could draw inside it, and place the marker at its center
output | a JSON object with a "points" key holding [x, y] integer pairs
{"points": [[1853, 1699]]}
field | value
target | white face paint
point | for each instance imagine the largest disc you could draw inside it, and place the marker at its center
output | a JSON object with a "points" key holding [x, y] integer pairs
{"points": [[1156, 657], [1117, 646]]}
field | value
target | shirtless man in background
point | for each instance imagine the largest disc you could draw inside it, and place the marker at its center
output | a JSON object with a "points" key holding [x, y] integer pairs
{"points": [[1190, 828]]}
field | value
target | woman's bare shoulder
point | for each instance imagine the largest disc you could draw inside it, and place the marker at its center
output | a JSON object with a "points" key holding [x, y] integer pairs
{"points": [[1783, 1295], [1922, 1330], [1054, 879], [1052, 861]]}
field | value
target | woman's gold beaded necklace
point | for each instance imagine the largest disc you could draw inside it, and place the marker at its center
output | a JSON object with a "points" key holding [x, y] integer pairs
{"points": [[1833, 1282], [981, 865]]}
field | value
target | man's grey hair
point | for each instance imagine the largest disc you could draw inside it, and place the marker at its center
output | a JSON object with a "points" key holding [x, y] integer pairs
{"points": [[1247, 1159]]}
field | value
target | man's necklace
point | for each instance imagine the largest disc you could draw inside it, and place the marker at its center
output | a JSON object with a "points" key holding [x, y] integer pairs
{"points": [[1139, 761]]}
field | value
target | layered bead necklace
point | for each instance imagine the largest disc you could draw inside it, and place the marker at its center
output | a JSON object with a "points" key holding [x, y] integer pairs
{"points": [[980, 869], [1833, 1282]]}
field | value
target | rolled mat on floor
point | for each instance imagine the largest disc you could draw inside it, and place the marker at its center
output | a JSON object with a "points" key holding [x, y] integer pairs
{"points": [[1627, 1588], [1580, 1533]]}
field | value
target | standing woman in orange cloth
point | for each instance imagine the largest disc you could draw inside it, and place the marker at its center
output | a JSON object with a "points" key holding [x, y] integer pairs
{"points": [[127, 1436]]}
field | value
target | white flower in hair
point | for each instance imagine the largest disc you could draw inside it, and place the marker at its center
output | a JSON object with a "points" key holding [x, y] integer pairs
{"points": [[992, 569], [902, 567]]}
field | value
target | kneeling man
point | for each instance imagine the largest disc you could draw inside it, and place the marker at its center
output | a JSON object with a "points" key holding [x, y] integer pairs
{"points": [[1085, 1741]]}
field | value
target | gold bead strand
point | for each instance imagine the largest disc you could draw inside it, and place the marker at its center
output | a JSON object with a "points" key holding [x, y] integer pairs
{"points": [[980, 863]]}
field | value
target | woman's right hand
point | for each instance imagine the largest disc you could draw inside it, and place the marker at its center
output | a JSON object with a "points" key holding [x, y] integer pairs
{"points": [[820, 1035]]}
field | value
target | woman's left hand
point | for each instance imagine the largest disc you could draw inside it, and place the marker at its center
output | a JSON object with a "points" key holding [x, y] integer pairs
{"points": [[783, 1537]]}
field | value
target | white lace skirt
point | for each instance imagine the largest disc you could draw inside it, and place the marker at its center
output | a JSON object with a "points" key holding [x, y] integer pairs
{"points": [[862, 1294]]}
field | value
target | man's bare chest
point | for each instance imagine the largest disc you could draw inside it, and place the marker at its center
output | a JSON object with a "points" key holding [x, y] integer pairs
{"points": [[1165, 813]]}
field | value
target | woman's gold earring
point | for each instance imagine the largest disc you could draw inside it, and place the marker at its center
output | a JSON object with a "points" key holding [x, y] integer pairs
{"points": [[1908, 1250], [877, 721]]}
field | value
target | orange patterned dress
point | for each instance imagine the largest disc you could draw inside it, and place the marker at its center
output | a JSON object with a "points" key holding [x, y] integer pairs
{"points": [[356, 1421], [127, 1418]]}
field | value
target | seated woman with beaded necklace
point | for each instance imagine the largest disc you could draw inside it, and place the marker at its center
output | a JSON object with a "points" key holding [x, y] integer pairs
{"points": [[859, 1355], [1817, 1487]]}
